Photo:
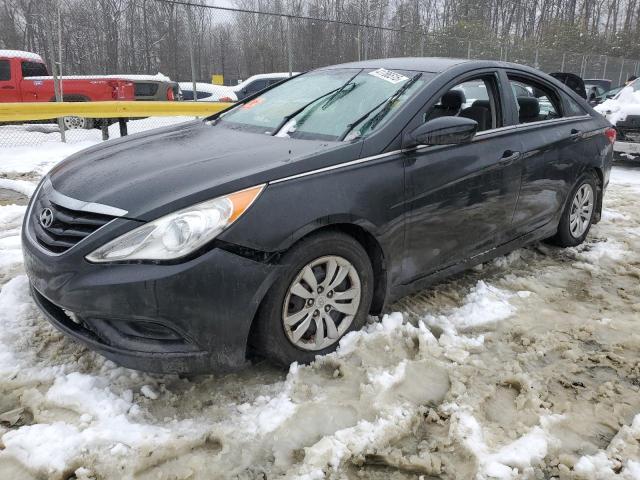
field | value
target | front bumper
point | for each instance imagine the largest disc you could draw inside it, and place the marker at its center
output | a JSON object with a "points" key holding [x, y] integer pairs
{"points": [[192, 317]]}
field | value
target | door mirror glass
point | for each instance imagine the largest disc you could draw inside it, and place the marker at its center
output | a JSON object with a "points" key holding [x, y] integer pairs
{"points": [[442, 131]]}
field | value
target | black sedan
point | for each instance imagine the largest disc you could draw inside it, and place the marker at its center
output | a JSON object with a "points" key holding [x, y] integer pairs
{"points": [[279, 224]]}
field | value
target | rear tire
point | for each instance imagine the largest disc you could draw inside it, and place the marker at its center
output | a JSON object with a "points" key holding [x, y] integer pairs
{"points": [[324, 292], [578, 214]]}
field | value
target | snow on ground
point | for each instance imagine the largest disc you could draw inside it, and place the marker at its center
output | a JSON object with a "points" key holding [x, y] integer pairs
{"points": [[17, 141], [524, 367]]}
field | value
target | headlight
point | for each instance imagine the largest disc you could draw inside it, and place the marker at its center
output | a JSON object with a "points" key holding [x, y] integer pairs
{"points": [[179, 233]]}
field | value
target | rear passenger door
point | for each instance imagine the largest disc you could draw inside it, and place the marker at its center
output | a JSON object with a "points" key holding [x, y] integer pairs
{"points": [[461, 198], [553, 135]]}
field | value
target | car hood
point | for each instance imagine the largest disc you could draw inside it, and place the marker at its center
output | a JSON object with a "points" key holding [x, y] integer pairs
{"points": [[163, 170]]}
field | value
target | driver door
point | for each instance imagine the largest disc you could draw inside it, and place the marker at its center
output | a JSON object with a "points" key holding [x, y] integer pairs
{"points": [[461, 198]]}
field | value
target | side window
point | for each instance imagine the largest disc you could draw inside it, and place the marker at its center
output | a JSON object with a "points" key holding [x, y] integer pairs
{"points": [[203, 95], [520, 90], [475, 99], [33, 69], [572, 108], [187, 94], [538, 104], [5, 71]]}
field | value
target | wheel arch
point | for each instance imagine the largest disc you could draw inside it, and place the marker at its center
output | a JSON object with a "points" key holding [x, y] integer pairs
{"points": [[374, 251], [599, 174]]}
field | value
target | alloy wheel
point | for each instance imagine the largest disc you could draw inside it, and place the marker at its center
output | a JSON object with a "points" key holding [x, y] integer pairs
{"points": [[321, 303], [581, 209]]}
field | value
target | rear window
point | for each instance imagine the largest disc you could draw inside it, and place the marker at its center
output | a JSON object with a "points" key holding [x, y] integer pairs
{"points": [[5, 71], [34, 69], [146, 89]]}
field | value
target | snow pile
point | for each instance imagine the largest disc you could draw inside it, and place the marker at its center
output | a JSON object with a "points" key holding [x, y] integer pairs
{"points": [[616, 109], [511, 461]]}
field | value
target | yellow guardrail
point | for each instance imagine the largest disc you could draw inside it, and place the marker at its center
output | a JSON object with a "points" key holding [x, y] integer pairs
{"points": [[16, 112]]}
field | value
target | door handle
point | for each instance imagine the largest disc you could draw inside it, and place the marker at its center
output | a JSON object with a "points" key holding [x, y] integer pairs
{"points": [[575, 133], [508, 157], [8, 87]]}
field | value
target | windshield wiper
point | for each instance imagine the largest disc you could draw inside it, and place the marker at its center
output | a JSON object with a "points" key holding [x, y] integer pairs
{"points": [[335, 95], [335, 92], [388, 103]]}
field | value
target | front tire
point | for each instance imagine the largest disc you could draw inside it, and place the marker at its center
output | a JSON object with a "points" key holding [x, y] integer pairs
{"points": [[324, 292], [578, 213]]}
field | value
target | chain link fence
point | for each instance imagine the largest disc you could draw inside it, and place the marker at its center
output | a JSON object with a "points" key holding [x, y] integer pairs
{"points": [[243, 43]]}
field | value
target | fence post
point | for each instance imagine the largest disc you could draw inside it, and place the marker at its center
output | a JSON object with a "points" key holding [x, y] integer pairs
{"points": [[535, 62], [192, 58], [56, 82], [621, 72], [604, 70], [366, 42], [123, 124], [564, 54], [289, 46], [468, 48]]}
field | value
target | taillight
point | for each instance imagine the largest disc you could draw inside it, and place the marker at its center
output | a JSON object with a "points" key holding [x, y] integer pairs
{"points": [[610, 133], [225, 99], [114, 90], [170, 95]]}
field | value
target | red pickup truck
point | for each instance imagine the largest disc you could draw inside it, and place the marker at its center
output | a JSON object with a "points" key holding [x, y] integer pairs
{"points": [[24, 78]]}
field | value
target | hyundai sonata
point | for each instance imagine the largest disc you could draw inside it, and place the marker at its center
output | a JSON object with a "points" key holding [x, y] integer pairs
{"points": [[278, 225]]}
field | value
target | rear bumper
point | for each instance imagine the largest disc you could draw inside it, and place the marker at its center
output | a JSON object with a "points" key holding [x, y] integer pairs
{"points": [[192, 317]]}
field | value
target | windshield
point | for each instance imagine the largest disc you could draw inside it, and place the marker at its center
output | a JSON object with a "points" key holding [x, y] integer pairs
{"points": [[635, 85], [325, 104]]}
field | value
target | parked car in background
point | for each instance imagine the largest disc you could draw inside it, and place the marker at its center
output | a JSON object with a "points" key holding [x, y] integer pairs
{"points": [[256, 83], [608, 94], [276, 226], [602, 83], [207, 92], [154, 87], [24, 78], [573, 81], [623, 111]]}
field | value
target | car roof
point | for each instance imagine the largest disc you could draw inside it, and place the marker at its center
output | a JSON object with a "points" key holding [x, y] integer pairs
{"points": [[429, 64], [421, 64]]}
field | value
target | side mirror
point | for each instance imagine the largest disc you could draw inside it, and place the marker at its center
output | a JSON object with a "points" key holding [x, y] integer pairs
{"points": [[442, 131]]}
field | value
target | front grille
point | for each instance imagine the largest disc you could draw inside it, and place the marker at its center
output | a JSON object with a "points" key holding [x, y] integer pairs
{"points": [[68, 226]]}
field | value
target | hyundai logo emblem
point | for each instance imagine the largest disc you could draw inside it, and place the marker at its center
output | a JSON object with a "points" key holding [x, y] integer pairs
{"points": [[46, 217]]}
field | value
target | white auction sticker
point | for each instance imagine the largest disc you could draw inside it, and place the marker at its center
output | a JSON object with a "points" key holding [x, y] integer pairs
{"points": [[389, 76]]}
